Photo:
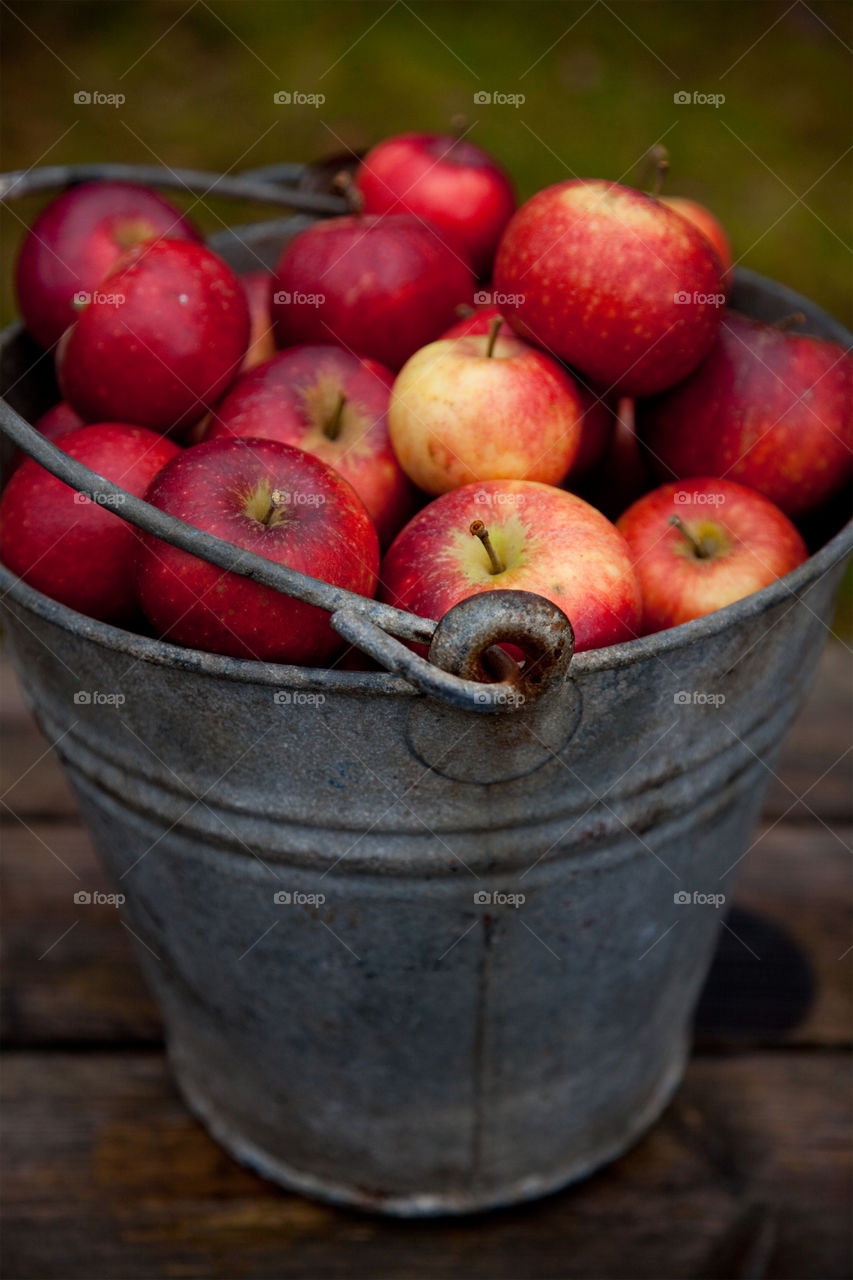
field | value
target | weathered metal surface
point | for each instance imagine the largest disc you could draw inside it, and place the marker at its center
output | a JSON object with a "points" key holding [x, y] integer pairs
{"points": [[409, 957]]}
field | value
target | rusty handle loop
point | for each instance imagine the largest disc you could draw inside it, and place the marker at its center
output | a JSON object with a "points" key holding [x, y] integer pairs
{"points": [[458, 670]]}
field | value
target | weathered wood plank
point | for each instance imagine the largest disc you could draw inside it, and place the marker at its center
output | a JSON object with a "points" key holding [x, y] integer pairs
{"points": [[106, 1175]]}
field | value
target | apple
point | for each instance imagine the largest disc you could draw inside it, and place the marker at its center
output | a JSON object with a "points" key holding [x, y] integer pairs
{"points": [[483, 408], [613, 282], [597, 422], [258, 286], [77, 239], [56, 422], [621, 475], [74, 550], [448, 181], [710, 226], [700, 544], [380, 286], [334, 405], [533, 538], [160, 341], [768, 408], [278, 502]]}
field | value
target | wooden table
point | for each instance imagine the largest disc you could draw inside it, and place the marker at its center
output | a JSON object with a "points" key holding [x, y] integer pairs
{"points": [[747, 1175]]}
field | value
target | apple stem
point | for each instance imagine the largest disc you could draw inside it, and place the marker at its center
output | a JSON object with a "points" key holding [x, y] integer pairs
{"points": [[701, 547], [458, 126], [277, 501], [792, 321], [659, 159], [493, 334], [478, 530], [332, 428], [343, 184]]}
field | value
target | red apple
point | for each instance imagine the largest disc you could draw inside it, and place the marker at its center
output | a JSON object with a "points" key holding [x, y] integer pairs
{"points": [[278, 502], [334, 405], [63, 544], [544, 539], [598, 418], [700, 544], [611, 281], [258, 286], [446, 180], [483, 408], [53, 424], [767, 407], [710, 226], [621, 474], [380, 286], [77, 239], [160, 341]]}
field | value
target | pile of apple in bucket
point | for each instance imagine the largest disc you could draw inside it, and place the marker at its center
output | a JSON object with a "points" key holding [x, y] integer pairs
{"points": [[434, 395]]}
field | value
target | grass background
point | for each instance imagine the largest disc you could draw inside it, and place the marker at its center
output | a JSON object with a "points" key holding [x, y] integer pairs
{"points": [[598, 78]]}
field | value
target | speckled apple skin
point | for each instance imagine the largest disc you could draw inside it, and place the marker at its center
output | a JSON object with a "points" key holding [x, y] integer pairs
{"points": [[389, 286], [595, 269], [598, 410], [710, 226], [449, 181], [290, 396], [551, 541], [164, 354], [326, 533], [77, 239], [770, 409], [74, 550], [760, 545], [458, 415]]}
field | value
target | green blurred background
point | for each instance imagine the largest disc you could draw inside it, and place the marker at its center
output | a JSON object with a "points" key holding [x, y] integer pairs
{"points": [[598, 77]]}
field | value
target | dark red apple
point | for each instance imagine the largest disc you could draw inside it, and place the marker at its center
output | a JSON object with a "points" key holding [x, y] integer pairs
{"points": [[160, 341], [621, 475], [77, 239], [700, 544], [258, 286], [380, 286], [63, 544], [334, 405], [611, 281], [767, 407], [446, 180], [542, 539], [278, 502]]}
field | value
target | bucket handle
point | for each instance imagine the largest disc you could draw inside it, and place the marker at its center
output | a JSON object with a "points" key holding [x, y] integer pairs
{"points": [[463, 652], [461, 645]]}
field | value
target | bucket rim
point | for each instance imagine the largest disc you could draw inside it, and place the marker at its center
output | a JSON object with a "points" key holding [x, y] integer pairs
{"points": [[592, 661]]}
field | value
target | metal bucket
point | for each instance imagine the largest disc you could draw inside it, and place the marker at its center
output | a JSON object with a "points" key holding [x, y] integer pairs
{"points": [[409, 956]]}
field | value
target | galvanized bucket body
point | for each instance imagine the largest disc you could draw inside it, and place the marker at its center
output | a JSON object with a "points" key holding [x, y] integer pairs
{"points": [[410, 957]]}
